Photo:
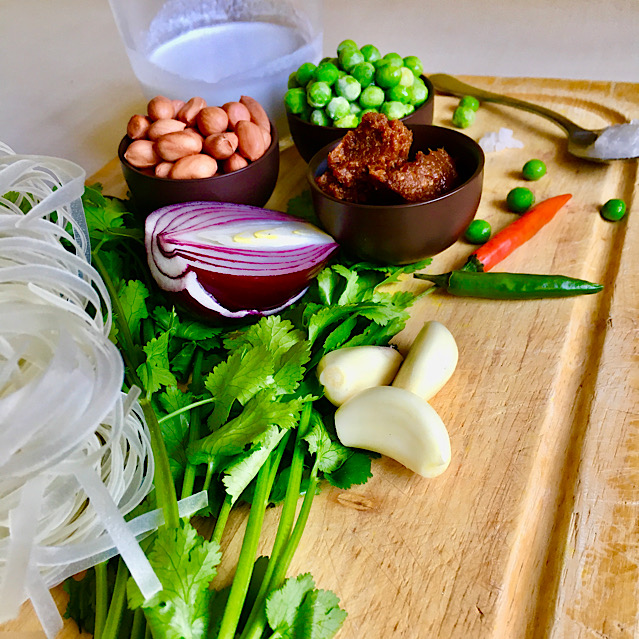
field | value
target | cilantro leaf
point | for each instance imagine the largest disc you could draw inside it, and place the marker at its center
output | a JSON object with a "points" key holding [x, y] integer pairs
{"points": [[185, 564], [241, 472], [355, 470], [330, 454], [155, 372], [102, 213], [175, 430], [302, 206], [298, 610], [133, 296], [260, 412]]}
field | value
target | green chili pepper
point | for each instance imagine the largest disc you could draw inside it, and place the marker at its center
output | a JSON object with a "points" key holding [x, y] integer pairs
{"points": [[510, 286]]}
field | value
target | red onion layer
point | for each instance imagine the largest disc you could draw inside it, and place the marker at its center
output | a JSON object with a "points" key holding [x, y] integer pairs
{"points": [[234, 260]]}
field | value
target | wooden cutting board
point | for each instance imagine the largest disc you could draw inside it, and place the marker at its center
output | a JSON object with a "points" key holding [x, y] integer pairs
{"points": [[533, 531]]}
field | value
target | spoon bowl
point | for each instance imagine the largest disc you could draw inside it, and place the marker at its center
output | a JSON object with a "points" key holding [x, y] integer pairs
{"points": [[615, 142]]}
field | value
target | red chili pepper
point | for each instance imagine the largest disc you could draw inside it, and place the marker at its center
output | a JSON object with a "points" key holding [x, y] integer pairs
{"points": [[514, 235]]}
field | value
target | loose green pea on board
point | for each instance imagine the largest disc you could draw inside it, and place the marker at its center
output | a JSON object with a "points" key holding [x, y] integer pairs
{"points": [[363, 78]]}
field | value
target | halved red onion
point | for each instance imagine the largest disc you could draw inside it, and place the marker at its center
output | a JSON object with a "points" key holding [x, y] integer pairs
{"points": [[234, 260]]}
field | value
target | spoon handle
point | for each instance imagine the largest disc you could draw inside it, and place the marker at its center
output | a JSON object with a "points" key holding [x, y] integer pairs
{"points": [[448, 84]]}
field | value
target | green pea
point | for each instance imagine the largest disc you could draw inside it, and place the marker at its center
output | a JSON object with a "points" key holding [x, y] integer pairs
{"points": [[305, 73], [363, 112], [398, 93], [393, 110], [408, 108], [327, 72], [384, 61], [348, 58], [417, 93], [337, 108], [407, 78], [613, 210], [370, 53], [470, 102], [295, 100], [346, 44], [348, 87], [318, 94], [371, 97], [394, 56], [364, 73], [478, 232], [349, 121], [414, 64], [463, 117], [388, 75], [319, 118], [520, 199], [292, 81], [533, 170]]}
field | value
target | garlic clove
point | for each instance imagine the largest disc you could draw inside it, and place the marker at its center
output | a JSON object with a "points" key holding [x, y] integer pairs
{"points": [[430, 361], [348, 371], [397, 423]]}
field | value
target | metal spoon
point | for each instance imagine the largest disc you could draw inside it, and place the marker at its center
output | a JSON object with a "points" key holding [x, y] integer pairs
{"points": [[615, 142]]}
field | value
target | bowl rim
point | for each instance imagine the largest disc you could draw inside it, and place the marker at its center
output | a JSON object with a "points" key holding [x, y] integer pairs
{"points": [[126, 140], [321, 155], [321, 127]]}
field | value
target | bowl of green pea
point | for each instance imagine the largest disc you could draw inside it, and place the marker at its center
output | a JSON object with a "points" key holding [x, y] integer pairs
{"points": [[324, 101]]}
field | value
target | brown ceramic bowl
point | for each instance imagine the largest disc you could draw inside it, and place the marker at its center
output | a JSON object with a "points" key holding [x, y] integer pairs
{"points": [[310, 138], [252, 185], [405, 233]]}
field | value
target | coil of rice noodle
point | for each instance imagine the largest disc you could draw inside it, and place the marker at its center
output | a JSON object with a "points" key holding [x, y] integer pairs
{"points": [[75, 452]]}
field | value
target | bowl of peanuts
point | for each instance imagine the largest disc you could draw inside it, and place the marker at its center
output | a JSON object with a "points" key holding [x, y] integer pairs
{"points": [[186, 151]]}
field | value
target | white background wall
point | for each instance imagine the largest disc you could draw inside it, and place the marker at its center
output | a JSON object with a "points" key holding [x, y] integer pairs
{"points": [[66, 87]]}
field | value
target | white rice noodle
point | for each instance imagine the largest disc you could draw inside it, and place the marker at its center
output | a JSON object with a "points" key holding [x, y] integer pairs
{"points": [[75, 452]]}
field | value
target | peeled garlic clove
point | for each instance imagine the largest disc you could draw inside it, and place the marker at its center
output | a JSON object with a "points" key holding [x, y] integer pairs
{"points": [[396, 423], [430, 362], [348, 371]]}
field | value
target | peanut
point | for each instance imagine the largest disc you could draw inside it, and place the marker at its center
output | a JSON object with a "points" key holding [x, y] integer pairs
{"points": [[163, 169], [160, 108], [177, 105], [212, 119], [141, 154], [193, 167], [234, 163], [164, 126], [188, 113], [173, 146], [250, 140], [138, 127], [267, 138], [237, 112], [258, 114], [221, 145]]}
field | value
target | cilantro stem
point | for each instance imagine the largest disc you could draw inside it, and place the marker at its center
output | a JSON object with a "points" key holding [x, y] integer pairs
{"points": [[163, 479], [194, 427], [246, 560], [186, 409], [257, 619], [138, 628], [114, 617], [222, 518], [101, 598]]}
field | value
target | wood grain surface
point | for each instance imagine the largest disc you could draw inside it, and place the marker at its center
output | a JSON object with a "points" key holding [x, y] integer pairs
{"points": [[533, 531]]}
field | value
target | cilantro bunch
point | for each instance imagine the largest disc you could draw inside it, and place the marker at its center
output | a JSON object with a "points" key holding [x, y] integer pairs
{"points": [[236, 411]]}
